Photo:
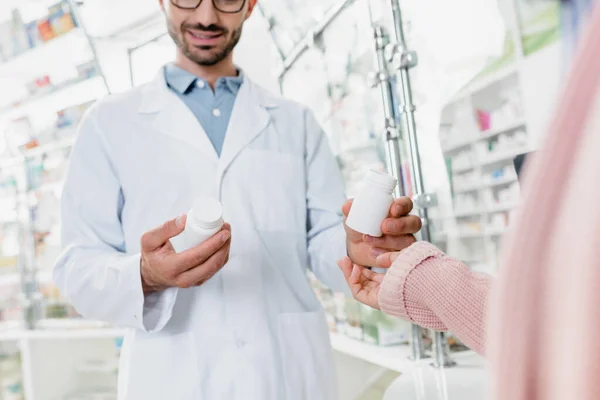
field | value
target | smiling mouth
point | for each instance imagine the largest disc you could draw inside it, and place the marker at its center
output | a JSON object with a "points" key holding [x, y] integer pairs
{"points": [[205, 36]]}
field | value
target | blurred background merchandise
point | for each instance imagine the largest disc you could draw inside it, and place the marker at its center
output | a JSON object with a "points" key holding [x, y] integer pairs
{"points": [[488, 77]]}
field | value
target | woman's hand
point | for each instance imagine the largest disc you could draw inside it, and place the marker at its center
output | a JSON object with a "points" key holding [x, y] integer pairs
{"points": [[364, 283]]}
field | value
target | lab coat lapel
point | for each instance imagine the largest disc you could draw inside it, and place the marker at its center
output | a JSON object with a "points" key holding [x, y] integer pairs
{"points": [[248, 119], [173, 118]]}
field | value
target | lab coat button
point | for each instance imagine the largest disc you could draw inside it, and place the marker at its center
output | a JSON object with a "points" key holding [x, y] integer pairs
{"points": [[217, 112]]}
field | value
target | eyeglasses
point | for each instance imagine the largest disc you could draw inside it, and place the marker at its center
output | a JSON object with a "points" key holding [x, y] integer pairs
{"points": [[224, 6]]}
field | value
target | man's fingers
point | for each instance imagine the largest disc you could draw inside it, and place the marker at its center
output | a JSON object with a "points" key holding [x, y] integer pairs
{"points": [[346, 207], [195, 256], [401, 206], [202, 273], [386, 260], [407, 225], [157, 237], [391, 243]]}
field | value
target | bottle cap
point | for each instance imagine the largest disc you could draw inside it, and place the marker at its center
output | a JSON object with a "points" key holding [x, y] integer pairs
{"points": [[206, 212], [384, 180]]}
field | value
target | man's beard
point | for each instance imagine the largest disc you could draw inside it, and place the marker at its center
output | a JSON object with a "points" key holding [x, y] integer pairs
{"points": [[212, 58]]}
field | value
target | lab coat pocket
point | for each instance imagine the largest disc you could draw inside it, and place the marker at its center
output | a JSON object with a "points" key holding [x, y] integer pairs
{"points": [[163, 367], [307, 360]]}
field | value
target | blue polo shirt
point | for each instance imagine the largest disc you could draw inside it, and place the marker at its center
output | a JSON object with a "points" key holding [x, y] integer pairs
{"points": [[211, 108]]}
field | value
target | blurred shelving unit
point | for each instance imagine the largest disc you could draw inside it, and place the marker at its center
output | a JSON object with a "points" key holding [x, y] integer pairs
{"points": [[46, 349], [493, 119]]}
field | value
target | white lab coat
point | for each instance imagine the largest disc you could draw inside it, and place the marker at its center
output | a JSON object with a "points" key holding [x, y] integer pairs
{"points": [[255, 331]]}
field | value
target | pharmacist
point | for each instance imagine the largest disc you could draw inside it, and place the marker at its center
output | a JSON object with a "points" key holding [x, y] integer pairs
{"points": [[235, 317]]}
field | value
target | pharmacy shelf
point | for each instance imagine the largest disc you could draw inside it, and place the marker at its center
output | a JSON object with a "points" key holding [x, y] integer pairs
{"points": [[10, 219], [50, 91], [484, 135], [490, 210], [486, 185], [503, 207], [481, 83], [503, 129], [54, 146], [43, 149], [459, 145], [495, 232], [395, 358], [499, 182], [468, 213], [467, 189], [503, 156], [462, 169], [64, 50], [10, 279], [470, 235]]}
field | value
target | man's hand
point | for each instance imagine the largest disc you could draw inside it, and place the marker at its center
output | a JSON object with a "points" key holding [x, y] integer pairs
{"points": [[398, 230], [162, 267]]}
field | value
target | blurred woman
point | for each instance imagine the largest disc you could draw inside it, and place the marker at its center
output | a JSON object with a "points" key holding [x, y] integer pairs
{"points": [[542, 334]]}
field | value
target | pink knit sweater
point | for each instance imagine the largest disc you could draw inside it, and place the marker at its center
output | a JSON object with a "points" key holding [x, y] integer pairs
{"points": [[437, 292]]}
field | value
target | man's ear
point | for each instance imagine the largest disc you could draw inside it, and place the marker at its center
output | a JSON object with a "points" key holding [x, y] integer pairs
{"points": [[251, 5]]}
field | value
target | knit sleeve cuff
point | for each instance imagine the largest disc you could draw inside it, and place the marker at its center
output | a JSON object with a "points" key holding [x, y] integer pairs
{"points": [[392, 295]]}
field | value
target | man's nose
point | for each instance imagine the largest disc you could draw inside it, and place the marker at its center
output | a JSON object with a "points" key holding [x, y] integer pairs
{"points": [[206, 13]]}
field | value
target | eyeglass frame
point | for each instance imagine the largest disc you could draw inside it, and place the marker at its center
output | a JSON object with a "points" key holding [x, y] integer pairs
{"points": [[214, 5]]}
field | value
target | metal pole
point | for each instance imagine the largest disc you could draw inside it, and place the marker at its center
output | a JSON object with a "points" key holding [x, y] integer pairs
{"points": [[402, 61], [393, 145], [392, 135]]}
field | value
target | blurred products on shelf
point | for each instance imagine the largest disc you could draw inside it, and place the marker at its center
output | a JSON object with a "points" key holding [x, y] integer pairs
{"points": [[508, 112], [71, 116], [11, 381], [54, 306], [11, 309], [17, 36]]}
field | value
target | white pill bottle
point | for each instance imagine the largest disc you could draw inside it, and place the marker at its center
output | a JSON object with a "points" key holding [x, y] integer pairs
{"points": [[372, 204], [203, 220]]}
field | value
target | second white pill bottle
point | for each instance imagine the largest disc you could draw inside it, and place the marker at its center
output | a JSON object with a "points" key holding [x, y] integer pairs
{"points": [[203, 220], [372, 204]]}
